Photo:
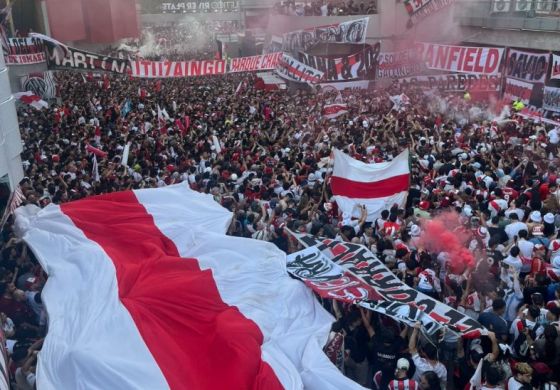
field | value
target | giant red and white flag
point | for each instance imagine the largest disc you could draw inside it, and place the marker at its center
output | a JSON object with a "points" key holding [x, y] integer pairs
{"points": [[377, 186], [331, 111], [145, 291]]}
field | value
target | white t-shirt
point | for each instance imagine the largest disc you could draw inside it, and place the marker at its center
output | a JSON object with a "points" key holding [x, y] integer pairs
{"points": [[526, 248], [554, 136], [513, 384], [423, 365], [514, 228]]}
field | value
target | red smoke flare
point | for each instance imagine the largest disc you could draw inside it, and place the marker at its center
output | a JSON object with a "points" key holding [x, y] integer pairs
{"points": [[445, 233]]}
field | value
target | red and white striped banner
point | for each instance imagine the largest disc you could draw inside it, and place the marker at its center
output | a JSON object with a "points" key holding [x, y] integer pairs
{"points": [[331, 111], [160, 298]]}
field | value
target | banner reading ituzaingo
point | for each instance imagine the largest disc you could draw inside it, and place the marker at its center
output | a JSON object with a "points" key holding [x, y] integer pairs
{"points": [[24, 51], [527, 66], [358, 66], [353, 31], [293, 70], [453, 82], [76, 59], [551, 99], [169, 69], [473, 60], [254, 63]]}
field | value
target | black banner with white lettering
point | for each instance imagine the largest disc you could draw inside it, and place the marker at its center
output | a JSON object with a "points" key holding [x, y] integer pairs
{"points": [[75, 59]]}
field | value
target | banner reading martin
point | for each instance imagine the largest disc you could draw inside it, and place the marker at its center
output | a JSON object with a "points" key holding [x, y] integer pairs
{"points": [[353, 31], [76, 59], [397, 299], [551, 99]]}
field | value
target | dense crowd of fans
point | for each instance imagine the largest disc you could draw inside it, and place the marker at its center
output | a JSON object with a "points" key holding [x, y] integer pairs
{"points": [[265, 157], [326, 8]]}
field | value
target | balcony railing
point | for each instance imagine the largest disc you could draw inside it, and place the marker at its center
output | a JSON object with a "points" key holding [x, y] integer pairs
{"points": [[539, 15]]}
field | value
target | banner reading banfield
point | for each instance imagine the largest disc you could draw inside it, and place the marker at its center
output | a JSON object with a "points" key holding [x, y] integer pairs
{"points": [[25, 51], [358, 66], [527, 66], [462, 59], [353, 31], [169, 69], [551, 99], [75, 59], [453, 82]]}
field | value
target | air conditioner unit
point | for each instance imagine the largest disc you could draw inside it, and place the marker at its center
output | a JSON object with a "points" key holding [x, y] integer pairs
{"points": [[523, 5], [501, 5], [544, 6]]}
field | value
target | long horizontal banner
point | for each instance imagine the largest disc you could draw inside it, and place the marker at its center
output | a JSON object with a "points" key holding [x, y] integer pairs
{"points": [[353, 31], [551, 99], [75, 59], [527, 66], [358, 66], [453, 82], [169, 69], [254, 63], [555, 70], [397, 299], [461, 59], [393, 65], [341, 86], [25, 51], [293, 70]]}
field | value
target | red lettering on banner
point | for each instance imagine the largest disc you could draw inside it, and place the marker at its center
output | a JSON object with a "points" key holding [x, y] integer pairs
{"points": [[453, 51], [492, 61], [478, 67], [461, 58], [195, 68], [160, 71], [441, 57], [168, 69], [469, 58], [208, 67], [178, 71]]}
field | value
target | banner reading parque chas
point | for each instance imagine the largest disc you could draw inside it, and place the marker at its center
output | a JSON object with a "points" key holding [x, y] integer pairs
{"points": [[25, 51], [461, 59]]}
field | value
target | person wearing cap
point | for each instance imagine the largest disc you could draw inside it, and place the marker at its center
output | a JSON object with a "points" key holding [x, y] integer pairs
{"points": [[402, 380]]}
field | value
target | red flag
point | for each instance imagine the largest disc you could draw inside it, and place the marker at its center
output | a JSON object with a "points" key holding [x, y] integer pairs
{"points": [[106, 82], [98, 152], [187, 122], [158, 86], [180, 125]]}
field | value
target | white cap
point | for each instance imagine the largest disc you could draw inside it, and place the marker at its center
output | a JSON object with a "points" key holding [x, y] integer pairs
{"points": [[535, 216], [233, 176], [415, 232], [403, 364], [549, 218]]}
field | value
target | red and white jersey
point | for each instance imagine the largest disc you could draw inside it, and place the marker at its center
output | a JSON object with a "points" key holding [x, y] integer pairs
{"points": [[403, 384], [428, 280]]}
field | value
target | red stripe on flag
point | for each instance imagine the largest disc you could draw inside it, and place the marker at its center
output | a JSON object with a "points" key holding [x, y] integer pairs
{"points": [[378, 189], [197, 340]]}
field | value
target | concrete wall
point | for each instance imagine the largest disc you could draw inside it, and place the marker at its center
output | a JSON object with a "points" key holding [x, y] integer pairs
{"points": [[10, 140]]}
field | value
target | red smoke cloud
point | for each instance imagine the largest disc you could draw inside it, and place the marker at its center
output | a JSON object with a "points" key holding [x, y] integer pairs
{"points": [[445, 233]]}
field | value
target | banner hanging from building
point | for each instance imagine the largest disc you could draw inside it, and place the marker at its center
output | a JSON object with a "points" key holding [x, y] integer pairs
{"points": [[453, 82], [25, 51], [254, 63], [518, 90], [555, 69], [393, 65], [197, 6], [293, 70], [358, 66], [353, 31], [42, 84], [527, 66], [551, 99], [462, 59], [75, 59], [171, 69], [397, 299], [421, 9]]}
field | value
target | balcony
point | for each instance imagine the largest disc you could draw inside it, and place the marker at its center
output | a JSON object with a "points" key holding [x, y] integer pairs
{"points": [[530, 15]]}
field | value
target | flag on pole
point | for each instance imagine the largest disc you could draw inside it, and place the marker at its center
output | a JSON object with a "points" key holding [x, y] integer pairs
{"points": [[377, 186], [161, 298], [98, 152], [331, 111], [31, 99], [15, 200], [126, 152]]}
